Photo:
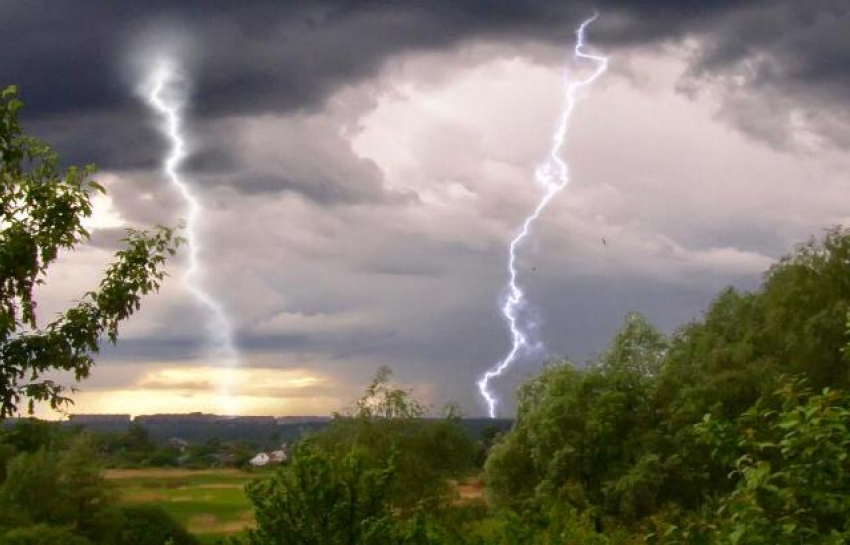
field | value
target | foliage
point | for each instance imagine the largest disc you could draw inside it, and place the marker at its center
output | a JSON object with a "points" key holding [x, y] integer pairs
{"points": [[370, 477], [384, 400], [27, 435], [42, 208], [79, 497], [794, 325], [51, 493], [579, 435], [323, 499], [151, 525], [559, 525], [42, 534], [30, 435], [618, 441], [387, 424], [792, 469]]}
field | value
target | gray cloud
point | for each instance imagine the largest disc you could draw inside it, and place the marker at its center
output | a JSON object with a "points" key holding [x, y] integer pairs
{"points": [[362, 166], [783, 67], [307, 155], [269, 56]]}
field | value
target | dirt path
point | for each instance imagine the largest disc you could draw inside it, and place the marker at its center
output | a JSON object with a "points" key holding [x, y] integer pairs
{"points": [[470, 490]]}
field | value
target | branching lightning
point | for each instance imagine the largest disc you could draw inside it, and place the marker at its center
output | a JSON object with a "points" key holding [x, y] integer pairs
{"points": [[553, 175], [164, 94]]}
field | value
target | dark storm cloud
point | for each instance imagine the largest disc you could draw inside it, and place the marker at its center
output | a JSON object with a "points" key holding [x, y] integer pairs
{"points": [[780, 59], [266, 55], [135, 350], [70, 58], [123, 139]]}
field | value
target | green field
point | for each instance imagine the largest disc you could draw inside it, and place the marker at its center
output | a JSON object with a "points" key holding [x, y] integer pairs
{"points": [[209, 503]]}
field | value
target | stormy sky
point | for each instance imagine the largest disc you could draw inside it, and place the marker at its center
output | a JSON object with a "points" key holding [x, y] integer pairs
{"points": [[363, 165]]}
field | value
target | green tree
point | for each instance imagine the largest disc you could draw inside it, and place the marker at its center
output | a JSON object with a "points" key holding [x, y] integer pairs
{"points": [[27, 435], [379, 474], [79, 497], [741, 350], [42, 208], [791, 467], [388, 423], [793, 325], [28, 475], [384, 400], [324, 499], [585, 437], [57, 492], [30, 435]]}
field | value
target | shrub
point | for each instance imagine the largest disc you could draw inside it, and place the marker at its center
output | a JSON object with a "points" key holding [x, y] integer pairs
{"points": [[42, 534], [151, 525]]}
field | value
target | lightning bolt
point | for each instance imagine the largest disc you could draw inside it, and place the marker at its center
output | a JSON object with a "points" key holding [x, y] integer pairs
{"points": [[553, 175], [165, 88]]}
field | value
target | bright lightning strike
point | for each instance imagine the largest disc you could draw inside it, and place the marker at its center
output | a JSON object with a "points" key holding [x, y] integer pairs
{"points": [[553, 175], [165, 95]]}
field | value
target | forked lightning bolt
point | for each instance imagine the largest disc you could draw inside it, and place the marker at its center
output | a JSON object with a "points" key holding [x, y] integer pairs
{"points": [[553, 175], [165, 89]]}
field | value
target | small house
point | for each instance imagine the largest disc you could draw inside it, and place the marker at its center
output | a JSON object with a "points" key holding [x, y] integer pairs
{"points": [[260, 460]]}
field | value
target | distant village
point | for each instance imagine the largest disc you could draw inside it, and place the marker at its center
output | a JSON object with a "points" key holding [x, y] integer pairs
{"points": [[192, 439], [179, 430]]}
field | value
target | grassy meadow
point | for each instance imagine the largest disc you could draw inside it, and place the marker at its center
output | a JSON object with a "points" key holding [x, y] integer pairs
{"points": [[210, 503]]}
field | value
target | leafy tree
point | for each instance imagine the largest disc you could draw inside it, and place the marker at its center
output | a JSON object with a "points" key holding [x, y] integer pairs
{"points": [[322, 499], [793, 325], [137, 438], [27, 435], [384, 400], [807, 298], [57, 492], [791, 466], [489, 435], [379, 474], [28, 475], [7, 452], [79, 498], [87, 497], [387, 423], [166, 456], [741, 350], [581, 436], [42, 208], [846, 349], [30, 435]]}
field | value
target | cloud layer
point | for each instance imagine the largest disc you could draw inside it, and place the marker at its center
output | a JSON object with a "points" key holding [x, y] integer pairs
{"points": [[363, 168]]}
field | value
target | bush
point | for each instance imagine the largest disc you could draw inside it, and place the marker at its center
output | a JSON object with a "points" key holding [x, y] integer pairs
{"points": [[387, 423], [151, 525], [323, 499], [42, 534], [791, 467]]}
